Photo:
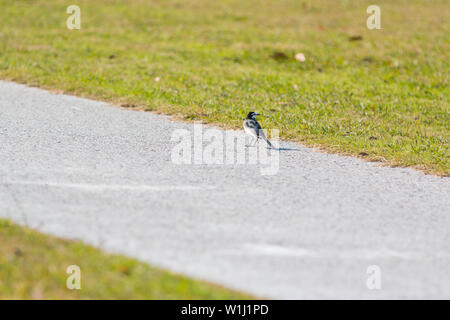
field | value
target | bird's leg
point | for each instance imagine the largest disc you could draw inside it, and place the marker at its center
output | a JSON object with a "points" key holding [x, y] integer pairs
{"points": [[255, 141], [249, 145]]}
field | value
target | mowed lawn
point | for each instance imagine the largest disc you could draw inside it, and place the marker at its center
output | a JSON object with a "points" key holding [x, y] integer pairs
{"points": [[33, 266], [378, 94]]}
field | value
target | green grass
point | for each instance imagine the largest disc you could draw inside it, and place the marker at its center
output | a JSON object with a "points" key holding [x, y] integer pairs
{"points": [[385, 96], [33, 266]]}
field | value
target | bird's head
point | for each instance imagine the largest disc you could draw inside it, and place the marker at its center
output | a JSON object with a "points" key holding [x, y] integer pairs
{"points": [[252, 115]]}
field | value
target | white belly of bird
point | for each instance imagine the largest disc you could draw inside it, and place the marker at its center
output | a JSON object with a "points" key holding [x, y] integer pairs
{"points": [[250, 131]]}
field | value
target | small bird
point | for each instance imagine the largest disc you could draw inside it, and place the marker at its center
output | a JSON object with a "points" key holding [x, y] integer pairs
{"points": [[253, 128]]}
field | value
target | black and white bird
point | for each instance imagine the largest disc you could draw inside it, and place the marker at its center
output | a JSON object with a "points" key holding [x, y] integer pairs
{"points": [[253, 128]]}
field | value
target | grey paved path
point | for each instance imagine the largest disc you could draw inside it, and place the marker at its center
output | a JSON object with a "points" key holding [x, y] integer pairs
{"points": [[84, 170]]}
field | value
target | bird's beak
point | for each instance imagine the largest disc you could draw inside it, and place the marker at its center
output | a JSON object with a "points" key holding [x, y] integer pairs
{"points": [[257, 114]]}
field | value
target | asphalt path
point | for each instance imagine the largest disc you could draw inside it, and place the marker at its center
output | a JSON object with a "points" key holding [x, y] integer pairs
{"points": [[85, 170]]}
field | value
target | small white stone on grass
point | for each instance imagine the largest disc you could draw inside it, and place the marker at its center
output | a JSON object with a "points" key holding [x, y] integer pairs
{"points": [[300, 57]]}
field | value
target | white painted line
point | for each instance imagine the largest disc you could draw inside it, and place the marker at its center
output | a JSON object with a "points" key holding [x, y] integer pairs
{"points": [[106, 187], [275, 250]]}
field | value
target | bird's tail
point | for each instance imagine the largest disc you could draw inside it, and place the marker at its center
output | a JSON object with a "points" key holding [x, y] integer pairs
{"points": [[263, 136], [269, 143]]}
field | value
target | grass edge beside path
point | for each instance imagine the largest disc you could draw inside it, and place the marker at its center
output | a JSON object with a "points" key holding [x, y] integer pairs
{"points": [[33, 266], [177, 116]]}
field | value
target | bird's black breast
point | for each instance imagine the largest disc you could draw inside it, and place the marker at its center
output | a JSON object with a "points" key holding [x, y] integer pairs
{"points": [[250, 123]]}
